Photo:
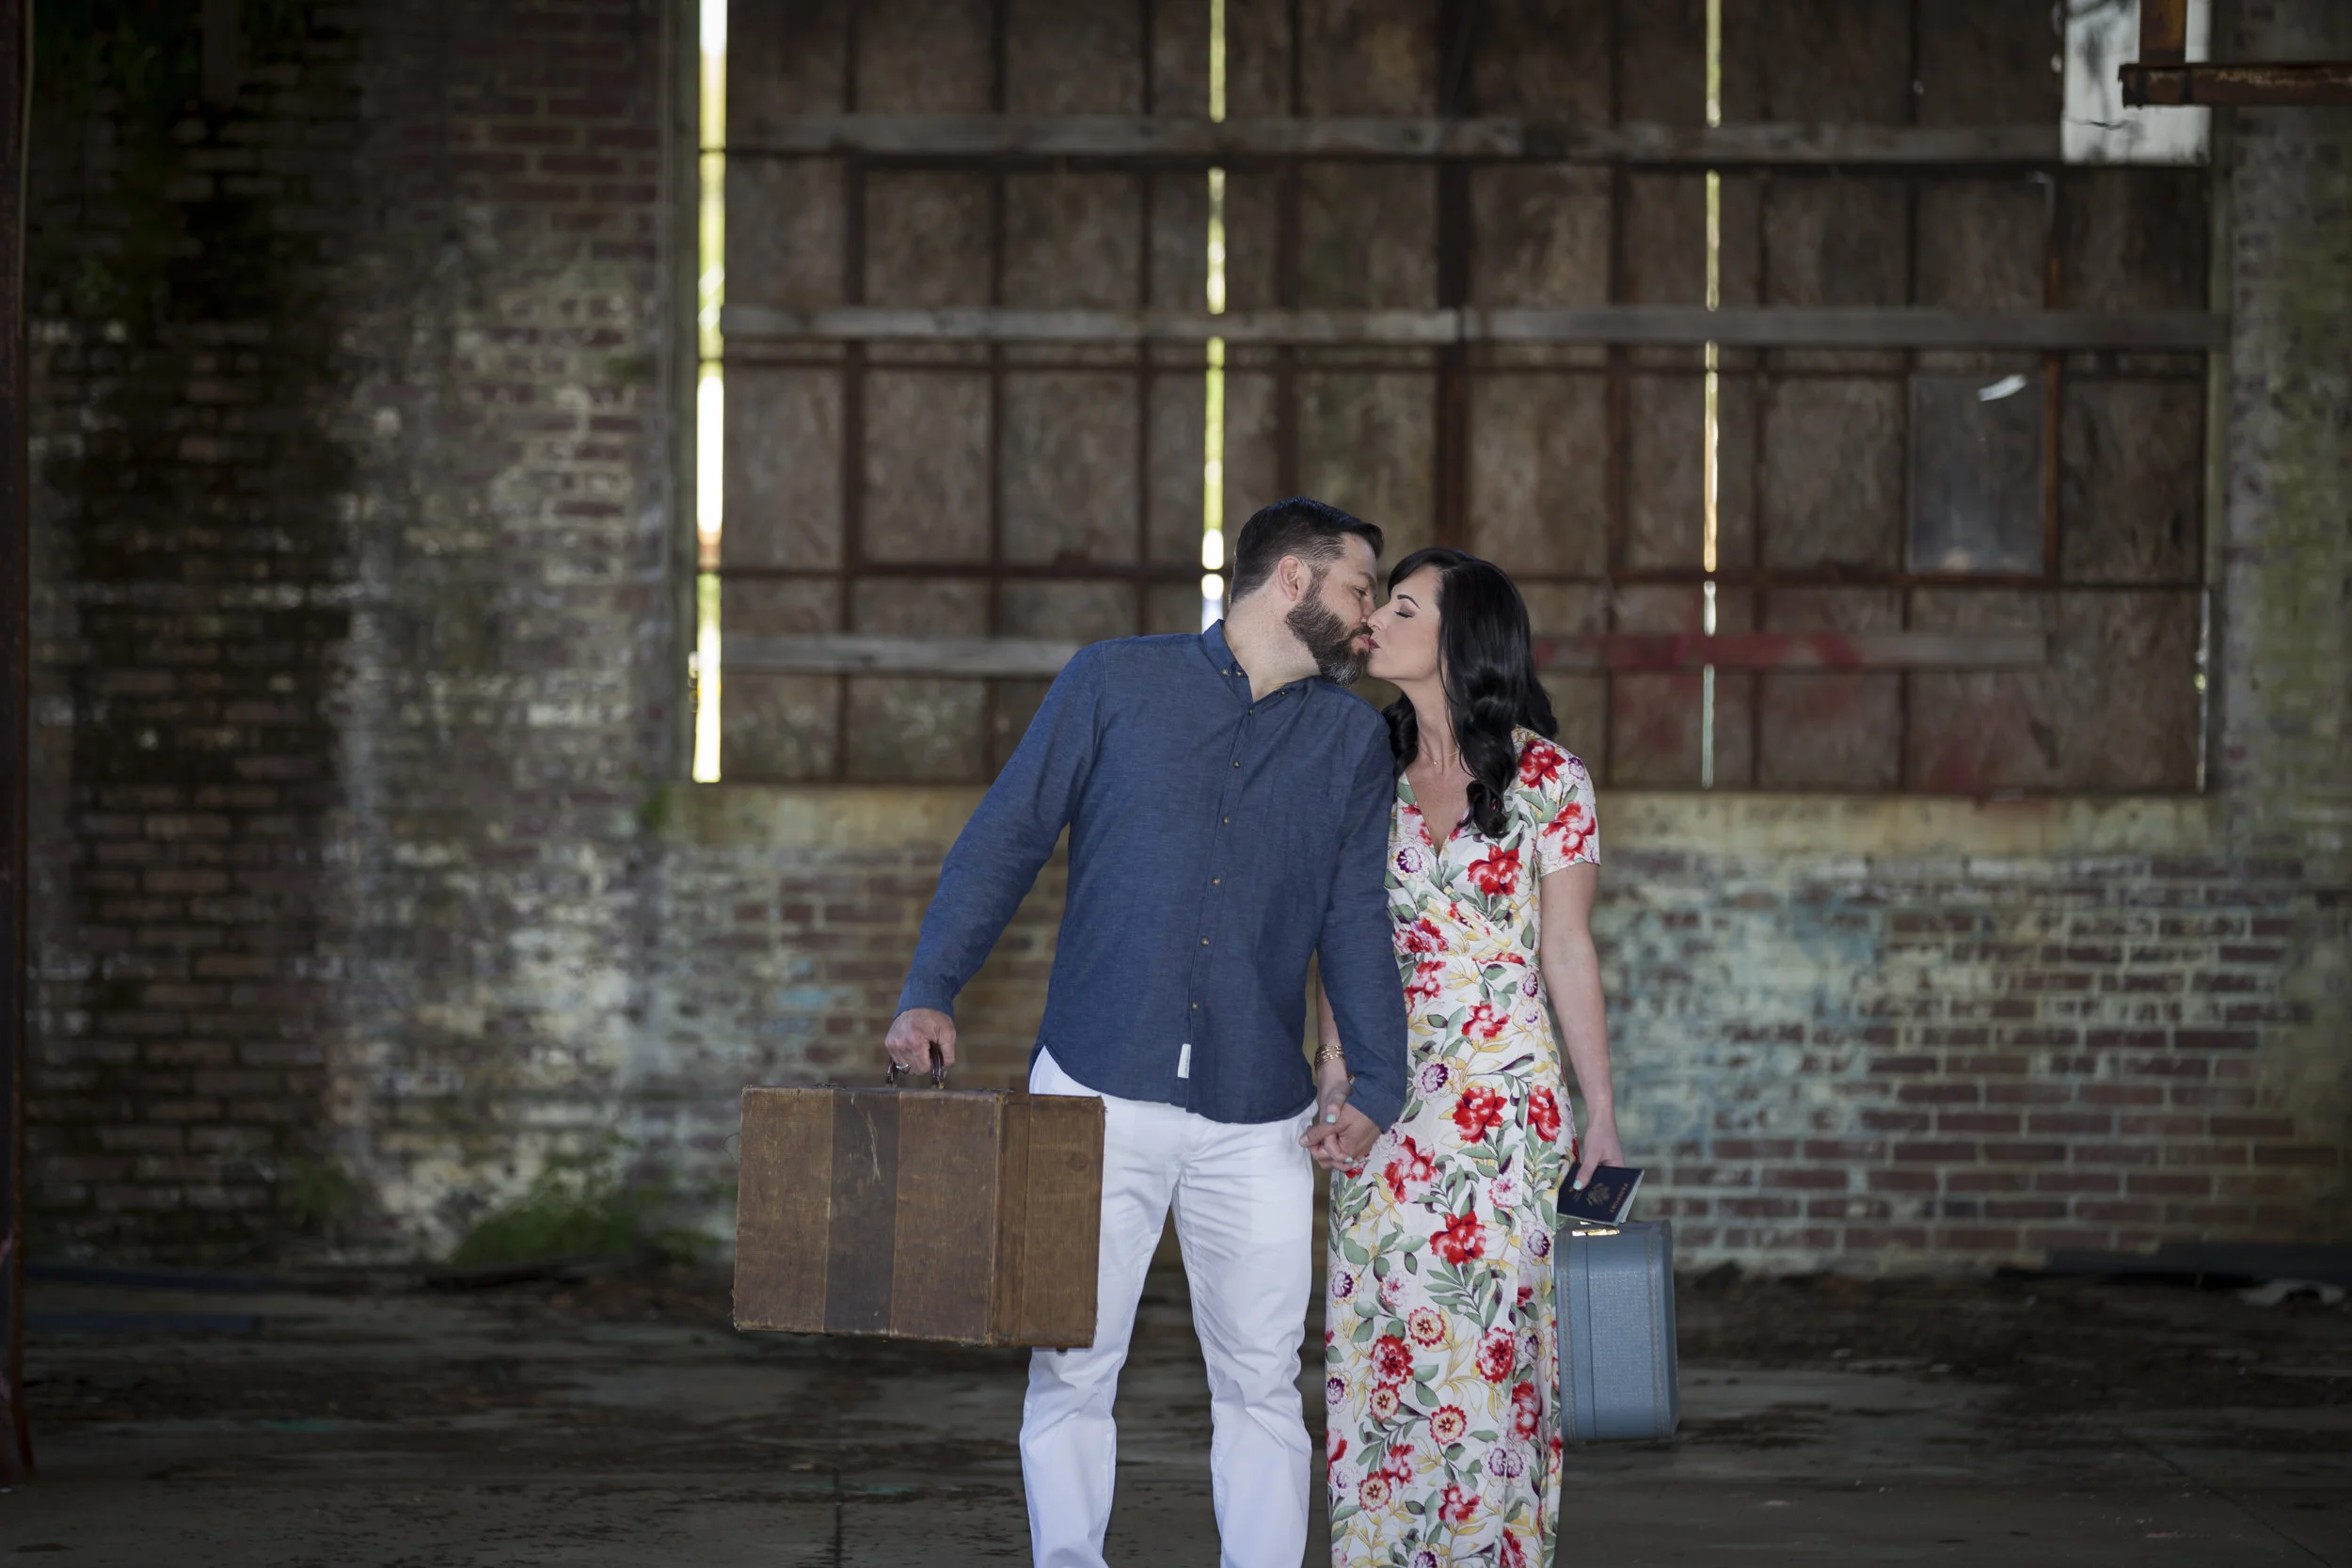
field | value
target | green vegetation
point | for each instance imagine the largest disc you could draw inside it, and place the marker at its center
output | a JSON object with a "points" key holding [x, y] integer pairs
{"points": [[585, 1204], [320, 1194]]}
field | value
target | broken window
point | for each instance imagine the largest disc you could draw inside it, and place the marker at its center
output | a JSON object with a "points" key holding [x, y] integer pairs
{"points": [[1975, 502]]}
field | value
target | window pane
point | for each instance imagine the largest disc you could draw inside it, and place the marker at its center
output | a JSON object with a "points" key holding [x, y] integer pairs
{"points": [[1975, 475]]}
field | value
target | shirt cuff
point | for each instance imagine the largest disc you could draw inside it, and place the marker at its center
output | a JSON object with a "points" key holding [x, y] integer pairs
{"points": [[927, 994], [1381, 1103]]}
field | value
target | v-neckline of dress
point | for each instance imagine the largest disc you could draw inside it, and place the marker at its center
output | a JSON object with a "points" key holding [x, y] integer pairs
{"points": [[1404, 788]]}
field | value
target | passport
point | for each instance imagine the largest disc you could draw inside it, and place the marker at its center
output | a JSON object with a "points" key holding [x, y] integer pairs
{"points": [[1605, 1199]]}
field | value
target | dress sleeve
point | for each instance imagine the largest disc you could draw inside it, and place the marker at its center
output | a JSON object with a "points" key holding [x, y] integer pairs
{"points": [[1561, 795]]}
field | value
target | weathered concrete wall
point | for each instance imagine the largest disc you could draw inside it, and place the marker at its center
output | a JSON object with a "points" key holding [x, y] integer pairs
{"points": [[509, 701]]}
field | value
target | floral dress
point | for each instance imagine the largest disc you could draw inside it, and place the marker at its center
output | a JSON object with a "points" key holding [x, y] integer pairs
{"points": [[1444, 1447]]}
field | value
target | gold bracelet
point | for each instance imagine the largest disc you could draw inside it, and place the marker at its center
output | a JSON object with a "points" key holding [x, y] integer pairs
{"points": [[1331, 1054]]}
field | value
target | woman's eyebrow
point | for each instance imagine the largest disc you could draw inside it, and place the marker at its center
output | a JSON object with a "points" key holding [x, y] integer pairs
{"points": [[1408, 599]]}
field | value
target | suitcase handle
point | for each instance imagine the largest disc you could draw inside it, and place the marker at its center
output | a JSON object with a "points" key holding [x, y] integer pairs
{"points": [[939, 1072]]}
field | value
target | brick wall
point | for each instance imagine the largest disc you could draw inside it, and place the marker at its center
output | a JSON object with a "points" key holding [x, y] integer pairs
{"points": [[358, 632], [192, 559], [1897, 1058], [1877, 1034]]}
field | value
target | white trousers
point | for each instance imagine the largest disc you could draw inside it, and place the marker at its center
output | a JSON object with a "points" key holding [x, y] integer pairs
{"points": [[1244, 1197]]}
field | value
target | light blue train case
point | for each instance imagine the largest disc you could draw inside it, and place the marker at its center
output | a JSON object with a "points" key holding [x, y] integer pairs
{"points": [[1615, 1289]]}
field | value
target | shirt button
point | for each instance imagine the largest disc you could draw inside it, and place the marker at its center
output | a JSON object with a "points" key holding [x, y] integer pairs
{"points": [[1195, 1007], [1229, 819], [1217, 881], [1237, 764], [1204, 942]]}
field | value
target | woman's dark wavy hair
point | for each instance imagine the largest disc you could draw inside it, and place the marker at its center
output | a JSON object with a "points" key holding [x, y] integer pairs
{"points": [[1487, 656]]}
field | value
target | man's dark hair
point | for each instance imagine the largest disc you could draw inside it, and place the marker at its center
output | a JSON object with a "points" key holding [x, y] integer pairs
{"points": [[1313, 530]]}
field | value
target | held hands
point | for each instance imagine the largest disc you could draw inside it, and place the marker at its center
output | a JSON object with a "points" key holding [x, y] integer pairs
{"points": [[1599, 1147], [1340, 1135], [917, 1034]]}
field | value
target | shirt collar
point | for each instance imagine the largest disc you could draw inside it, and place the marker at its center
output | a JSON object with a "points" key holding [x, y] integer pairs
{"points": [[1220, 656], [1219, 651]]}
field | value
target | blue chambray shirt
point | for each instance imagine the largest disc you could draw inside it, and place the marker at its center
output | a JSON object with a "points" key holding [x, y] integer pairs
{"points": [[1216, 845]]}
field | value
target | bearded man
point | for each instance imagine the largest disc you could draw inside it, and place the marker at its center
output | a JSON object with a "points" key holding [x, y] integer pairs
{"points": [[1228, 805]]}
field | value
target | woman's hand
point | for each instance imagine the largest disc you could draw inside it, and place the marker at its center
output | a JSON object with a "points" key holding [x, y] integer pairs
{"points": [[1332, 1084], [1599, 1147]]}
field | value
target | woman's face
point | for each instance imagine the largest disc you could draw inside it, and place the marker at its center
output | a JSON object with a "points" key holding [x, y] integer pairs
{"points": [[1404, 632]]}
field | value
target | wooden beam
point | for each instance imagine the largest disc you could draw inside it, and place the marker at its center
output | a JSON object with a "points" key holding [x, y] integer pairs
{"points": [[1172, 139], [1752, 328], [1907, 650], [1031, 658], [853, 654], [2285, 84]]}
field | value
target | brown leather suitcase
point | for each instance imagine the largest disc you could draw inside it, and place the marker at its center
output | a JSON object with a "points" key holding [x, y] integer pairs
{"points": [[968, 1216]]}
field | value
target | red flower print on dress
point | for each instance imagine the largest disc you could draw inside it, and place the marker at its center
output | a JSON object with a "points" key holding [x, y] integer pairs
{"points": [[1478, 1112], [1525, 1408], [1427, 983], [1373, 1492], [1398, 1466], [1392, 1362], [1458, 1506], [1459, 1240], [1541, 763], [1427, 1327], [1337, 1448], [1410, 1174], [1565, 836], [1514, 1552], [1422, 935], [1448, 1424], [1497, 872], [1498, 1347], [1484, 1023], [1385, 1403], [1543, 1115]]}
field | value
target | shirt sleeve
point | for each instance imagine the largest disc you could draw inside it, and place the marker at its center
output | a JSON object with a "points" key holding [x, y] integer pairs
{"points": [[1567, 831], [1358, 950], [997, 858]]}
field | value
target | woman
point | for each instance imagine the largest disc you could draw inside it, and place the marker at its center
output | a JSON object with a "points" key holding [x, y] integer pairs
{"points": [[1444, 1447]]}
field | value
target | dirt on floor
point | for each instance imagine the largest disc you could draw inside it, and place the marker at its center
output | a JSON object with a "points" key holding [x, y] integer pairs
{"points": [[2049, 1345]]}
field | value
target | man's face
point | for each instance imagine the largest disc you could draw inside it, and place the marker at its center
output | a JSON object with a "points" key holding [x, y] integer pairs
{"points": [[1331, 618]]}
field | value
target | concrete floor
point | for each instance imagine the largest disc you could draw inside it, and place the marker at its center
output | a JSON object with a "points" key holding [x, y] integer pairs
{"points": [[619, 1422]]}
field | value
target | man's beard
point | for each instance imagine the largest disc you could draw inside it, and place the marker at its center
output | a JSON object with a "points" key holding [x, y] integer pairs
{"points": [[1330, 640]]}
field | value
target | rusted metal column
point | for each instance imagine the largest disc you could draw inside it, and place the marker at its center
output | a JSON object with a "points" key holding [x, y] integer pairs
{"points": [[2163, 32], [16, 83]]}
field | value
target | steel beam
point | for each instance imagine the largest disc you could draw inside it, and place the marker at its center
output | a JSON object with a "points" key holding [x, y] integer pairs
{"points": [[1132, 138], [2278, 84], [1762, 326], [16, 81]]}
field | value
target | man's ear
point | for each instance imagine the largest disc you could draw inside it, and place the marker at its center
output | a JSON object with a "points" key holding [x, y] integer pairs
{"points": [[1294, 578]]}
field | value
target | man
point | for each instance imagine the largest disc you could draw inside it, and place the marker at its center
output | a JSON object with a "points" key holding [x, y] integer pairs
{"points": [[1228, 807]]}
